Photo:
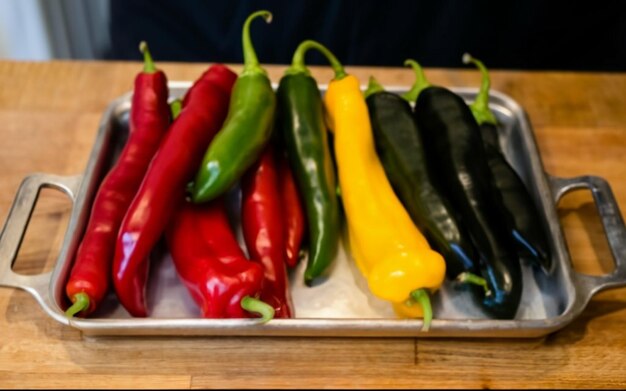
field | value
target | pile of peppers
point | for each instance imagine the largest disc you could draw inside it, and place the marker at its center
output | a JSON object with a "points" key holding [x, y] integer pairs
{"points": [[419, 179]]}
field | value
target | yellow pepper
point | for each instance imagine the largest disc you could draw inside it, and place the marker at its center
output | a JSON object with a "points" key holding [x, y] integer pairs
{"points": [[390, 251]]}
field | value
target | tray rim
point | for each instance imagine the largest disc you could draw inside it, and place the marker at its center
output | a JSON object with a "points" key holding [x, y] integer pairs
{"points": [[46, 292]]}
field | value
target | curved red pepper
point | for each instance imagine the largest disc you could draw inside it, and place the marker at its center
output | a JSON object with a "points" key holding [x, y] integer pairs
{"points": [[293, 216], [204, 110], [89, 279], [210, 262], [264, 229]]}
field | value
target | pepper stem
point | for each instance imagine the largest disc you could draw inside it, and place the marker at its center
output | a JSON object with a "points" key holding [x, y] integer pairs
{"points": [[420, 82], [252, 304], [80, 303], [471, 278], [175, 108], [373, 87], [250, 60], [148, 63], [480, 106], [297, 63], [421, 296]]}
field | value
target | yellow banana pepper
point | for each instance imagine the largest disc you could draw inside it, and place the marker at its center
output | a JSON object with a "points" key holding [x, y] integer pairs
{"points": [[390, 251]]}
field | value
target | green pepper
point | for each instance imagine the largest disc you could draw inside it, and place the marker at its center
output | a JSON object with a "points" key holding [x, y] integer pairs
{"points": [[247, 128], [300, 120], [526, 228]]}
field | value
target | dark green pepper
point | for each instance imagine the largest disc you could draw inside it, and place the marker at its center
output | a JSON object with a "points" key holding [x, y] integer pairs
{"points": [[247, 128], [455, 152], [399, 145], [300, 120], [526, 226]]}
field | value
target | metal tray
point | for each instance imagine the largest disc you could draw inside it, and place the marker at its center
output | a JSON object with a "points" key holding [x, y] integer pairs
{"points": [[341, 305]]}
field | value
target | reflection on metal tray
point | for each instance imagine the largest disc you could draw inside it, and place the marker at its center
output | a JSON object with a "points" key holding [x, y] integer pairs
{"points": [[341, 305]]}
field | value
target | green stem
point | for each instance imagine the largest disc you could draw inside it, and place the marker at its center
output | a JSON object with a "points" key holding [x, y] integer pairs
{"points": [[480, 106], [421, 296], [373, 87], [252, 304], [250, 60], [81, 303], [471, 278], [420, 82], [148, 63], [175, 108], [297, 63]]}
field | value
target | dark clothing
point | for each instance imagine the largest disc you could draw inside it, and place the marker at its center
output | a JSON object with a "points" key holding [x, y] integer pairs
{"points": [[532, 34]]}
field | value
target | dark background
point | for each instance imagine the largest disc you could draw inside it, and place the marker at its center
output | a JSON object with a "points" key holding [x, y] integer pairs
{"points": [[534, 34]]}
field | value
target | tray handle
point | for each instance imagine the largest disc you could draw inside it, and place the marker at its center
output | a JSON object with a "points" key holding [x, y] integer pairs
{"points": [[15, 227], [614, 229]]}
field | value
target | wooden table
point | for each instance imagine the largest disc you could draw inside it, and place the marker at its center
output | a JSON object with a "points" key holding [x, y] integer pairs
{"points": [[49, 114]]}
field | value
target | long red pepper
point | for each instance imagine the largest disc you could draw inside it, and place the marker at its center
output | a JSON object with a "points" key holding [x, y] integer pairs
{"points": [[264, 229], [293, 216], [204, 109], [89, 279], [212, 265]]}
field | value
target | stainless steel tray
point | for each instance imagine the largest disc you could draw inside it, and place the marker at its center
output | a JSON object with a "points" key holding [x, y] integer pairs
{"points": [[342, 305]]}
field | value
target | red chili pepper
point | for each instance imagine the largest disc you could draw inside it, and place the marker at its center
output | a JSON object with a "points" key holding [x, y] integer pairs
{"points": [[209, 261], [204, 110], [264, 229], [89, 279], [295, 221]]}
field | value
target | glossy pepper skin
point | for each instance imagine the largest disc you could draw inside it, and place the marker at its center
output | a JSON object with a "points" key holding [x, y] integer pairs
{"points": [[400, 148], [301, 125], [204, 109], [388, 248], [209, 261], [454, 146], [246, 131], [527, 229], [293, 217], [264, 229], [90, 277]]}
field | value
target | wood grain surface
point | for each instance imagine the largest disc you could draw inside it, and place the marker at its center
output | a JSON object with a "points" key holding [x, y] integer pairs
{"points": [[49, 115]]}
